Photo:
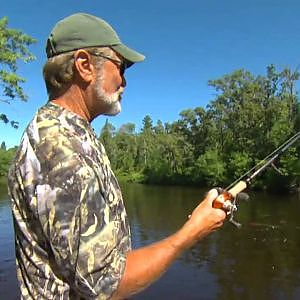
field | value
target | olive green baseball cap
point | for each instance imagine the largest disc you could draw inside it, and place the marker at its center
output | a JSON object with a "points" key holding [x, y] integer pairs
{"points": [[83, 30]]}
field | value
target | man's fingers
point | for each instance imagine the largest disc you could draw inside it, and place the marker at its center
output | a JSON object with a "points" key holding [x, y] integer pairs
{"points": [[212, 195]]}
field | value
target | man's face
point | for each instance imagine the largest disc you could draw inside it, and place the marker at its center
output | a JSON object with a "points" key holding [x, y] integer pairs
{"points": [[109, 86]]}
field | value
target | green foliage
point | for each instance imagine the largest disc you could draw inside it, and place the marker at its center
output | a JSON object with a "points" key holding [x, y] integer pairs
{"points": [[249, 117], [211, 168], [239, 164], [131, 177], [6, 157], [13, 48]]}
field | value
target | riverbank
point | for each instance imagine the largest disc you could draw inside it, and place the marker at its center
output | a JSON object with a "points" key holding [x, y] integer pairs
{"points": [[138, 177], [279, 185]]}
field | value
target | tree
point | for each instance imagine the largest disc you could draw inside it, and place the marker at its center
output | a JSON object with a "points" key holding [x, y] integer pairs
{"points": [[159, 128], [13, 48], [147, 124], [3, 146], [128, 128], [211, 168], [106, 137], [126, 148]]}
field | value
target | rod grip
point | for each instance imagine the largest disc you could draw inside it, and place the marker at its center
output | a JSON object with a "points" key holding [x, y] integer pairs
{"points": [[239, 187]]}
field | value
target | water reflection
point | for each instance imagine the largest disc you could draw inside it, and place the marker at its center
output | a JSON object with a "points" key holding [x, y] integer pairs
{"points": [[259, 261]]}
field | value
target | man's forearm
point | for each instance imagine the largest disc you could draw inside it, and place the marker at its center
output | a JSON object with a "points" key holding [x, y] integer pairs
{"points": [[145, 265]]}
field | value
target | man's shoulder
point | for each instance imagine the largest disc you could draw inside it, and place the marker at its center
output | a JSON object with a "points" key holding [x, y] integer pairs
{"points": [[53, 121], [51, 115]]}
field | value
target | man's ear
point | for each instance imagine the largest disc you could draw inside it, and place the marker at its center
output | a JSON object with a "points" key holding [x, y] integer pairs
{"points": [[83, 64]]}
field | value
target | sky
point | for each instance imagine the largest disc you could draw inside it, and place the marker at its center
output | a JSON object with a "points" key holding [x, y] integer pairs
{"points": [[186, 44]]}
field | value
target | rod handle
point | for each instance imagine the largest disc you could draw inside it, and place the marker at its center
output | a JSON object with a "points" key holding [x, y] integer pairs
{"points": [[239, 187]]}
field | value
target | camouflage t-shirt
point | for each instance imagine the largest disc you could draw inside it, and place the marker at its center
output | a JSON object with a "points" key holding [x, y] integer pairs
{"points": [[71, 227]]}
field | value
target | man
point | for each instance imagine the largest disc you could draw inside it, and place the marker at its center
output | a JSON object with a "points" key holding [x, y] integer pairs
{"points": [[72, 233]]}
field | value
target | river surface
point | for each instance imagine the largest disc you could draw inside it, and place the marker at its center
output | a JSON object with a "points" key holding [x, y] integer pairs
{"points": [[258, 261]]}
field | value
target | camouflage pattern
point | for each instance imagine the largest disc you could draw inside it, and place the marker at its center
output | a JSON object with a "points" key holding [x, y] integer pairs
{"points": [[71, 227]]}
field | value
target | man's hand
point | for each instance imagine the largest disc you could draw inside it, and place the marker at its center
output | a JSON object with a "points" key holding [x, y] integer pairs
{"points": [[204, 219]]}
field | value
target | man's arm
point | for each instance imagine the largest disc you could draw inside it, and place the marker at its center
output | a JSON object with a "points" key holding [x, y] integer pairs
{"points": [[145, 265]]}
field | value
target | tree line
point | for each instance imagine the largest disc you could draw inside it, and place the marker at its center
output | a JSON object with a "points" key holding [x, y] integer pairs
{"points": [[249, 117]]}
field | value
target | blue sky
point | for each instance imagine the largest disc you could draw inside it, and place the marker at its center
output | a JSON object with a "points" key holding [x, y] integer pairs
{"points": [[186, 43]]}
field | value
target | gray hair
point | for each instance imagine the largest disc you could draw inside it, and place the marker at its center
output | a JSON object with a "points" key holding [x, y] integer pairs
{"points": [[59, 70]]}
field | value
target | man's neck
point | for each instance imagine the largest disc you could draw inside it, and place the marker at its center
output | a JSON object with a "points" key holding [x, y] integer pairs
{"points": [[73, 100]]}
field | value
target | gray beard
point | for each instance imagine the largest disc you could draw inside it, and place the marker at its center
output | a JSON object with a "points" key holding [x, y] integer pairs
{"points": [[112, 103]]}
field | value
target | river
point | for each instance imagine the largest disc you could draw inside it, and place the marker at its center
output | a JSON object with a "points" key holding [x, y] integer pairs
{"points": [[258, 261]]}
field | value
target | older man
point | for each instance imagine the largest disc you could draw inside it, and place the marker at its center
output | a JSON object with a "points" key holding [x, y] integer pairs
{"points": [[72, 233]]}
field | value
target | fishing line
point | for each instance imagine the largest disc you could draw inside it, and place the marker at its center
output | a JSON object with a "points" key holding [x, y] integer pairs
{"points": [[273, 156]]}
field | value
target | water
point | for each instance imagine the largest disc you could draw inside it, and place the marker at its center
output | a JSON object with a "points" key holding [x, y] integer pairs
{"points": [[8, 281], [258, 261]]}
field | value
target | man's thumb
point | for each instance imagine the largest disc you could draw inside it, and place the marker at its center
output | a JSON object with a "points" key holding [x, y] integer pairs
{"points": [[212, 195]]}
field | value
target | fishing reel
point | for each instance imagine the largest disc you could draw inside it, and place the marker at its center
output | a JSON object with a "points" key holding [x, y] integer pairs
{"points": [[227, 200]]}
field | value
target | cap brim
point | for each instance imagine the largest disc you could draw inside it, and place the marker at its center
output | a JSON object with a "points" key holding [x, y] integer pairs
{"points": [[129, 54]]}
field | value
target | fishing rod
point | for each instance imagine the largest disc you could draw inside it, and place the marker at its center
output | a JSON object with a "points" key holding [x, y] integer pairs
{"points": [[227, 198]]}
